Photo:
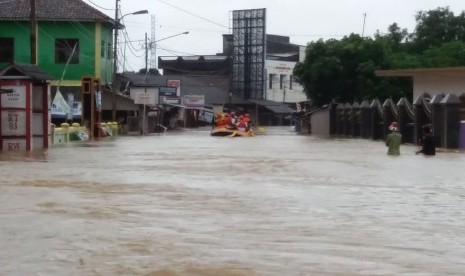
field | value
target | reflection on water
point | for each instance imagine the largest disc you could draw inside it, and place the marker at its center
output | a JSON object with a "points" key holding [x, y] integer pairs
{"points": [[189, 204]]}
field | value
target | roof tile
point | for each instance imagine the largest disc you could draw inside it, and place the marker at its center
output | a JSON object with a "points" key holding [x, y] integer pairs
{"points": [[52, 10]]}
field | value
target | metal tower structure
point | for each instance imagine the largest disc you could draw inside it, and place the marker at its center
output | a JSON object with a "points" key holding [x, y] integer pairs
{"points": [[249, 52]]}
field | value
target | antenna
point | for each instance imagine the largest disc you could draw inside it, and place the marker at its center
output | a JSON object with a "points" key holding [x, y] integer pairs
{"points": [[364, 19]]}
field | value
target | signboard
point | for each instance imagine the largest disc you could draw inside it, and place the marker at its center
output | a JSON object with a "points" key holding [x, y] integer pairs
{"points": [[77, 109], [280, 67], [194, 100], [13, 122], [14, 145], [167, 91], [58, 112], [172, 100], [60, 105], [144, 98], [17, 99], [175, 83]]}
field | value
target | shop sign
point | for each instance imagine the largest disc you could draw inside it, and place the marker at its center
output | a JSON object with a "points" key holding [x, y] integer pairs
{"points": [[194, 100]]}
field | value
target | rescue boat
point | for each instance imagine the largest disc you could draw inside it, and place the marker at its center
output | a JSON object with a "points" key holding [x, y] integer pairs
{"points": [[222, 131], [227, 124]]}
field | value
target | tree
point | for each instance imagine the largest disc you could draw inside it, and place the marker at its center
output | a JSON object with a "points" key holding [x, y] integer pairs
{"points": [[152, 71], [343, 70], [438, 26]]}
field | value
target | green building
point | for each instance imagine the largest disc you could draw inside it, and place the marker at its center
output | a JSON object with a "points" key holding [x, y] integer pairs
{"points": [[64, 30]]}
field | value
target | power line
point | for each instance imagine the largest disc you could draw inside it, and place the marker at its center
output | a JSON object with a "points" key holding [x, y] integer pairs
{"points": [[100, 6], [193, 14], [190, 29], [174, 52]]}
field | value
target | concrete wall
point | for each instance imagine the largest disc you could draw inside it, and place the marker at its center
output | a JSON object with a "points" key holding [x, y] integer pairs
{"points": [[320, 122], [435, 83]]}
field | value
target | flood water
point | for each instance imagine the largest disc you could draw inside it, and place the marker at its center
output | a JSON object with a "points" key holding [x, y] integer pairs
{"points": [[185, 203]]}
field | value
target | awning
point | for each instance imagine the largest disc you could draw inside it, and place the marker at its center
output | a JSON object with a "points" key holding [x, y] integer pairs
{"points": [[275, 107], [201, 108]]}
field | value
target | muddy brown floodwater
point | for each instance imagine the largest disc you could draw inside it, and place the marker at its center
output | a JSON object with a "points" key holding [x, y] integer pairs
{"points": [[186, 203]]}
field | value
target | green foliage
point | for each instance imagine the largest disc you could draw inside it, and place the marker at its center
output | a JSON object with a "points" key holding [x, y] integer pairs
{"points": [[344, 70], [436, 27], [152, 71]]}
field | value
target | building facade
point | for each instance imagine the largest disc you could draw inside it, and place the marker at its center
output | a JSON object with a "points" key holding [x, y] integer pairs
{"points": [[65, 30], [68, 40]]}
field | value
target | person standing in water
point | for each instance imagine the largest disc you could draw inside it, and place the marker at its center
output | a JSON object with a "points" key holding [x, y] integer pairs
{"points": [[427, 142], [393, 139]]}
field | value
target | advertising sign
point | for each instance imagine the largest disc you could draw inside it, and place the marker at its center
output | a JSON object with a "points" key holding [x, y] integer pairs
{"points": [[175, 83], [144, 98], [172, 100], [17, 99], [167, 91], [194, 100], [60, 105]]}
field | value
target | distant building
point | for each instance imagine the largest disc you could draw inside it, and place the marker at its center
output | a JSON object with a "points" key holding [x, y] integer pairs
{"points": [[281, 91]]}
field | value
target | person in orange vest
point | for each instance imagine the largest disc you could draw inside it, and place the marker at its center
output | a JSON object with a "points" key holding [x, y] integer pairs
{"points": [[231, 123], [242, 124], [220, 120], [247, 122]]}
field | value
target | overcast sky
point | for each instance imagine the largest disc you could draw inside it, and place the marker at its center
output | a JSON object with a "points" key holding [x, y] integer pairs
{"points": [[302, 20]]}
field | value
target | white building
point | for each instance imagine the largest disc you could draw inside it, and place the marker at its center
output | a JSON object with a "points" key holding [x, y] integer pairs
{"points": [[281, 85]]}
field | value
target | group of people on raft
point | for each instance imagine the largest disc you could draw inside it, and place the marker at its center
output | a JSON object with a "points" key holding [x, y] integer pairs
{"points": [[232, 121]]}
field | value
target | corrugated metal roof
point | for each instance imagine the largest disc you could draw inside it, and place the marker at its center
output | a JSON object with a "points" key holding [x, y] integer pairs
{"points": [[52, 10], [276, 107]]}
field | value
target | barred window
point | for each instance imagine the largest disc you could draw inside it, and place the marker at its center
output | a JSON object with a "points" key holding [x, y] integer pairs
{"points": [[64, 50]]}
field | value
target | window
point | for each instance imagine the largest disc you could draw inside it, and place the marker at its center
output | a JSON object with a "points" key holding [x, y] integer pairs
{"points": [[110, 52], [64, 49], [102, 49], [7, 46], [281, 81], [270, 81]]}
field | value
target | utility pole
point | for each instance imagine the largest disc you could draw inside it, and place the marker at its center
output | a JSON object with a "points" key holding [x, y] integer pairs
{"points": [[144, 120], [115, 63], [146, 55], [33, 33]]}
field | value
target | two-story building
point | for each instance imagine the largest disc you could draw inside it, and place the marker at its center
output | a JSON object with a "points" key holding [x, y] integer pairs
{"points": [[68, 40]]}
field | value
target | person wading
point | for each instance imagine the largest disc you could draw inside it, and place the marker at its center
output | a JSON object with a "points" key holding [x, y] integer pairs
{"points": [[427, 142], [393, 139]]}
